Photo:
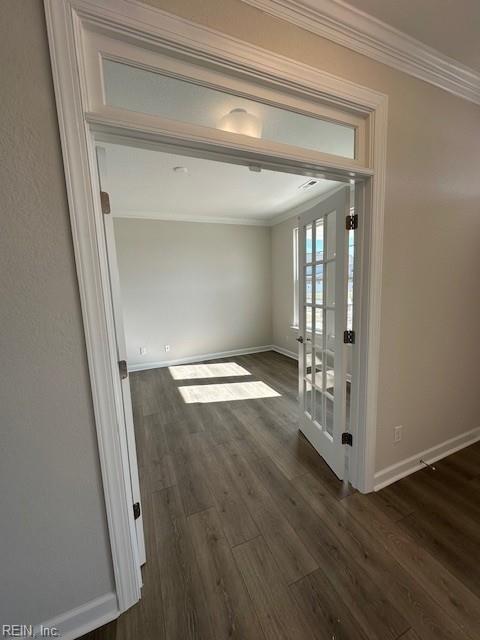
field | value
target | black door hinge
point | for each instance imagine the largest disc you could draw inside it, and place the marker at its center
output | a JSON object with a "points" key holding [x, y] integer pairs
{"points": [[349, 337], [347, 438], [136, 511], [351, 222], [105, 202], [123, 369]]}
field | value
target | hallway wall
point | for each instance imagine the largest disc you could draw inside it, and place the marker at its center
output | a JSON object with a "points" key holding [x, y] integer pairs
{"points": [[55, 553]]}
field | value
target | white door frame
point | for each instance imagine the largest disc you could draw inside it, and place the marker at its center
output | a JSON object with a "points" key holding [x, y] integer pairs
{"points": [[127, 20], [114, 274]]}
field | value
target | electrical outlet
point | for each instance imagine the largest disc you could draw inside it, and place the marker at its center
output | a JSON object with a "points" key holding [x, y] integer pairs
{"points": [[397, 433], [143, 351], [167, 348]]}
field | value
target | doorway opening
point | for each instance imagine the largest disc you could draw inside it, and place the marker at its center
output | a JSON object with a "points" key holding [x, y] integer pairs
{"points": [[227, 331], [115, 81]]}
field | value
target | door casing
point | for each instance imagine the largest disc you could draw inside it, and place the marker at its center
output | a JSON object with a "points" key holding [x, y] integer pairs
{"points": [[115, 288], [126, 21]]}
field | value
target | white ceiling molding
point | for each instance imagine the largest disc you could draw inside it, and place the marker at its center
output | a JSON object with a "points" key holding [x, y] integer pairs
{"points": [[338, 21], [165, 217]]}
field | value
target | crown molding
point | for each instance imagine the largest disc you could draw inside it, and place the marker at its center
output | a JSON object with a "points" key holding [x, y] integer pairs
{"points": [[165, 217], [338, 21]]}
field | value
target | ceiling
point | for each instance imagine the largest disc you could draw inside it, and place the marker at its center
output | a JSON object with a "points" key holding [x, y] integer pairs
{"points": [[143, 184], [450, 26]]}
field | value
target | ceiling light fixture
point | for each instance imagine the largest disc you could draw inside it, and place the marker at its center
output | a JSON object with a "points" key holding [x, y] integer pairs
{"points": [[241, 121], [180, 169]]}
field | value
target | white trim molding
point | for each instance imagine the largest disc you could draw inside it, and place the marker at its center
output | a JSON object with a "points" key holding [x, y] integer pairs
{"points": [[144, 366], [163, 217], [81, 620], [127, 25], [404, 468], [81, 179], [348, 26]]}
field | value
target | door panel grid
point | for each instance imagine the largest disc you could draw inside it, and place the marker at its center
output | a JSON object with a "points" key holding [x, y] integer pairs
{"points": [[319, 301], [324, 258]]}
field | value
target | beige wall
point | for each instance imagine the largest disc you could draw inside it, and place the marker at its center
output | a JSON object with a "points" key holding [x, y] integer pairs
{"points": [[54, 552], [200, 288], [283, 335], [430, 306]]}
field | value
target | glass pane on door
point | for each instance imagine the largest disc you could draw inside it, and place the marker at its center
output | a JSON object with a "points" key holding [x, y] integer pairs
{"points": [[330, 283], [308, 360], [319, 312], [330, 372], [308, 398], [319, 284], [330, 330], [308, 244], [328, 415], [319, 239], [308, 285], [331, 247], [308, 318]]}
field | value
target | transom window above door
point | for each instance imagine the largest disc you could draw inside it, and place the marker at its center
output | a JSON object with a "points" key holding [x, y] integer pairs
{"points": [[184, 98], [186, 101]]}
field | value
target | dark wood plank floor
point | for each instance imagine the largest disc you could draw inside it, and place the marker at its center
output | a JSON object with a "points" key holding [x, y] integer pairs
{"points": [[250, 536]]}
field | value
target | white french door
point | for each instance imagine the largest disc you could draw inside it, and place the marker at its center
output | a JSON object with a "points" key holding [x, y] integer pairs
{"points": [[132, 471], [323, 278]]}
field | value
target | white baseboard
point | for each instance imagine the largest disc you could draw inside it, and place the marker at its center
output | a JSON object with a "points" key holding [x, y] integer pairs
{"points": [[410, 465], [284, 352], [81, 620], [143, 366]]}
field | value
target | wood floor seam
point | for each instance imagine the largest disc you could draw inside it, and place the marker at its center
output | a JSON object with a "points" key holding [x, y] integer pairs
{"points": [[245, 541]]}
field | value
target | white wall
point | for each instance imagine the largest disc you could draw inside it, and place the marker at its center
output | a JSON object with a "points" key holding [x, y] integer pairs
{"points": [[200, 288], [283, 334], [54, 548]]}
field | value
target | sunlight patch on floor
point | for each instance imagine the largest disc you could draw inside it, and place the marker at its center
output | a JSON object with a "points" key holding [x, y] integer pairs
{"points": [[215, 370], [227, 392]]}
